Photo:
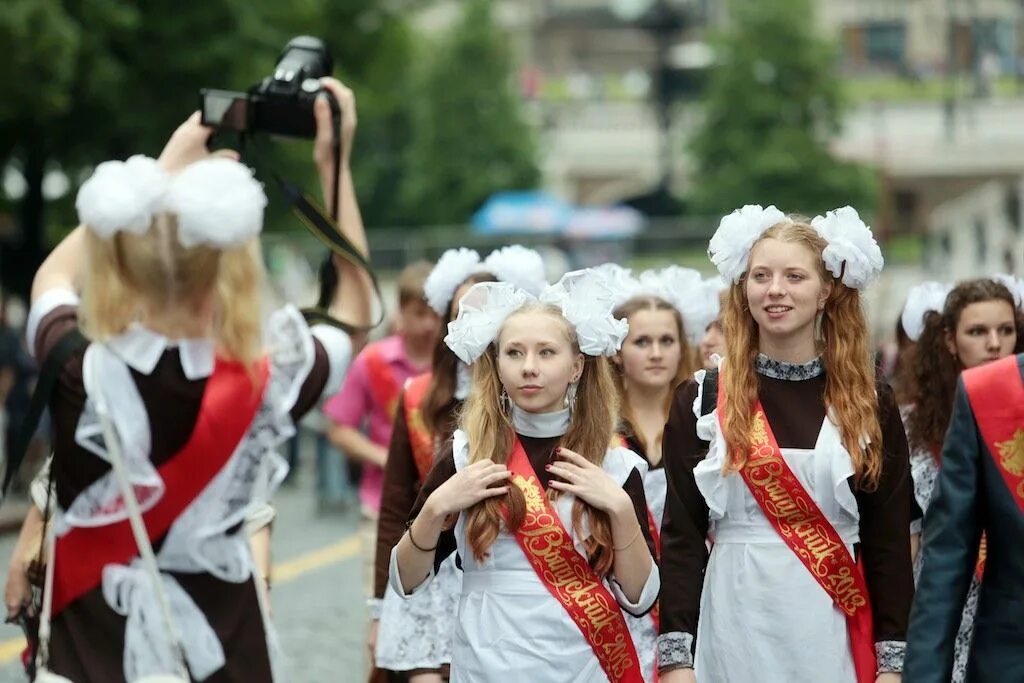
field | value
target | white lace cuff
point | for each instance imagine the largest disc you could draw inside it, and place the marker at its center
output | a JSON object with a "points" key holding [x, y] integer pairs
{"points": [[395, 580], [915, 526], [889, 654], [376, 605], [675, 651], [338, 346], [648, 595], [43, 306]]}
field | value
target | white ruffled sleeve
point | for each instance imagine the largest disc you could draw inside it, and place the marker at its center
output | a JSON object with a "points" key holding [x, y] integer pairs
{"points": [[338, 345]]}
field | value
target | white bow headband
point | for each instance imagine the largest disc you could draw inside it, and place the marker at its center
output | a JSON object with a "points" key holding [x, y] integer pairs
{"points": [[922, 299], [515, 264], [217, 201], [585, 298], [852, 254], [683, 288]]}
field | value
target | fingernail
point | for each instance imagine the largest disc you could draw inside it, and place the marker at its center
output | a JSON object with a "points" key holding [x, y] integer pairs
{"points": [[547, 467], [558, 449]]}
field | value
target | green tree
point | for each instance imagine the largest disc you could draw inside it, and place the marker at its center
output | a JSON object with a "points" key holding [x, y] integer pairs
{"points": [[104, 79], [772, 104], [470, 138]]}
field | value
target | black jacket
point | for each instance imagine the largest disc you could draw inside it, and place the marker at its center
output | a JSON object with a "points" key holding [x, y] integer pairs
{"points": [[970, 496]]}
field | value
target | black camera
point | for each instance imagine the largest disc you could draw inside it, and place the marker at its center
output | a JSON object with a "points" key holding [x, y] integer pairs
{"points": [[280, 104]]}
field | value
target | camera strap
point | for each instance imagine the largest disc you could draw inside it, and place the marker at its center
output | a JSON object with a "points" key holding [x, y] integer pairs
{"points": [[325, 230]]}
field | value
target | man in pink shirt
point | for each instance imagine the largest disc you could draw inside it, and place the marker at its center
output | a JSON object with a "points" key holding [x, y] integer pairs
{"points": [[363, 411]]}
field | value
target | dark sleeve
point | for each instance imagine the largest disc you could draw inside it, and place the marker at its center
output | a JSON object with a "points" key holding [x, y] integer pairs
{"points": [[313, 386], [884, 524], [684, 528], [634, 487], [52, 328], [442, 471], [952, 531], [399, 494]]}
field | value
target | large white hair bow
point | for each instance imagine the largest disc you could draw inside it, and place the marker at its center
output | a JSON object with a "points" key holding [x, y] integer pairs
{"points": [[852, 254], [683, 288], [515, 264], [730, 246], [584, 297], [922, 299], [454, 266], [217, 201]]}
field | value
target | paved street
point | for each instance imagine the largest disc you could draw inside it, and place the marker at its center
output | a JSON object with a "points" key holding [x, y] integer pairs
{"points": [[319, 607]]}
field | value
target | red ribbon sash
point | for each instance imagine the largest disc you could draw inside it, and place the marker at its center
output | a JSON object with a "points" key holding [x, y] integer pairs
{"points": [[420, 439], [796, 517], [569, 577], [996, 394], [229, 404], [384, 387]]}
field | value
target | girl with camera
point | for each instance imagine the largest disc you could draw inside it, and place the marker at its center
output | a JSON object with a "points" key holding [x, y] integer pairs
{"points": [[167, 424]]}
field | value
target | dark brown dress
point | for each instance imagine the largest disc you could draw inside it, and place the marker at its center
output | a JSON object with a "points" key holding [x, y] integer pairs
{"points": [[88, 636]]}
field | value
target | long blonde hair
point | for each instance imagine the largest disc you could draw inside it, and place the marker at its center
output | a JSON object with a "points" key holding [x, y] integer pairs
{"points": [[688, 361], [129, 274], [850, 394], [489, 431]]}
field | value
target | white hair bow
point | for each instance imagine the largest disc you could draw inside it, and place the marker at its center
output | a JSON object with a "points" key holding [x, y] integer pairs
{"points": [[584, 297], [217, 201]]}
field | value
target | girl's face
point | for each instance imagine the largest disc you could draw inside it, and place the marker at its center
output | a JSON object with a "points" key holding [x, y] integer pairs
{"points": [[986, 331], [651, 353], [536, 361], [784, 289], [712, 343]]}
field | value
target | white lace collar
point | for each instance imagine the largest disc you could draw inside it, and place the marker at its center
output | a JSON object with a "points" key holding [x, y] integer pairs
{"points": [[540, 425], [141, 348]]}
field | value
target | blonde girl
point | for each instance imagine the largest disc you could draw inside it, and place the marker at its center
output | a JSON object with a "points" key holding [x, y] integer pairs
{"points": [[529, 493], [164, 277]]}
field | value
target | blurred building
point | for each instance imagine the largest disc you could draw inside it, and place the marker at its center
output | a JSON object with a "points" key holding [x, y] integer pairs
{"points": [[950, 171], [918, 38]]}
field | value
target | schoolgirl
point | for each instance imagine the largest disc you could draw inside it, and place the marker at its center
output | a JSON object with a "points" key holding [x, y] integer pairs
{"points": [[548, 519], [177, 377], [794, 462], [956, 328], [415, 635]]}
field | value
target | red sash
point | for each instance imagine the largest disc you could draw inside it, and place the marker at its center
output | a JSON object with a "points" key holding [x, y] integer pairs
{"points": [[796, 517], [420, 439], [229, 404], [570, 578], [384, 387], [996, 395]]}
